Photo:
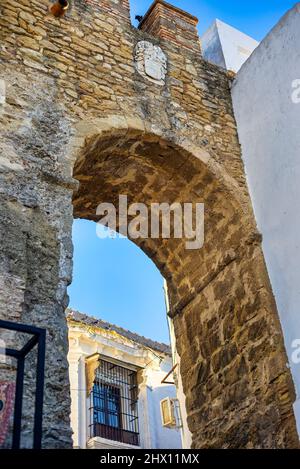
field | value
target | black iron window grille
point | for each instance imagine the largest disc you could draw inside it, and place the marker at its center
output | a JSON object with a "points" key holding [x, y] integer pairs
{"points": [[38, 338], [114, 404]]}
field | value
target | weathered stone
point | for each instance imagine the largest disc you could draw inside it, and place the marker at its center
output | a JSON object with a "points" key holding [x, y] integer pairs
{"points": [[76, 107]]}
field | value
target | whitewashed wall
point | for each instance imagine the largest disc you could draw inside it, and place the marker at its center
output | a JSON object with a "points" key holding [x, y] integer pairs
{"points": [[266, 98], [226, 46], [159, 436]]}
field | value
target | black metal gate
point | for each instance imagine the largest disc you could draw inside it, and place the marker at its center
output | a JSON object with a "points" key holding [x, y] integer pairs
{"points": [[38, 338]]}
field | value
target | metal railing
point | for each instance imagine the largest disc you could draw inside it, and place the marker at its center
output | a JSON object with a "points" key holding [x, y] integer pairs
{"points": [[38, 339], [114, 404]]}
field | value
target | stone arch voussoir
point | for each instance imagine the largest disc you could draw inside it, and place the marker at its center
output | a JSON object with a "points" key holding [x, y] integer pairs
{"points": [[227, 330]]}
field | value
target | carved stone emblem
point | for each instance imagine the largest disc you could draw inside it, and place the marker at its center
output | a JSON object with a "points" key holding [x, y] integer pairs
{"points": [[151, 62]]}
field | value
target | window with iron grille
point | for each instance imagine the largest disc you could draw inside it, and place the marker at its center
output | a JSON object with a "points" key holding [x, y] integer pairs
{"points": [[114, 404]]}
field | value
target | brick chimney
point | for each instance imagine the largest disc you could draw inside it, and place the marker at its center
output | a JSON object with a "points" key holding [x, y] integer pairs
{"points": [[172, 24]]}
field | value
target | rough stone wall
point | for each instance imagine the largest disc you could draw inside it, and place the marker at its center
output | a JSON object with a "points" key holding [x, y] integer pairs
{"points": [[76, 106]]}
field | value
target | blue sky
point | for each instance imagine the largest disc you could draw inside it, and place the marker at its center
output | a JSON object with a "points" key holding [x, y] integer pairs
{"points": [[113, 279]]}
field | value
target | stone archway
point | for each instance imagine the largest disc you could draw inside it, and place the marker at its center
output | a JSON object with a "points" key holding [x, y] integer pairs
{"points": [[233, 362], [63, 75]]}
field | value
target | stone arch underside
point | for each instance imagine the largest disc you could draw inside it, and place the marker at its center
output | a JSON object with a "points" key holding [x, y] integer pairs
{"points": [[233, 362]]}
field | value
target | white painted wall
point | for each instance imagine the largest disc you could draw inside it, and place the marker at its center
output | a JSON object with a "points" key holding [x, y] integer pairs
{"points": [[85, 341], [226, 46], [161, 438], [269, 130], [186, 436]]}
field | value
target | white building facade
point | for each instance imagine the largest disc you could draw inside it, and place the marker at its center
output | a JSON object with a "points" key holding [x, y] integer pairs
{"points": [[116, 387]]}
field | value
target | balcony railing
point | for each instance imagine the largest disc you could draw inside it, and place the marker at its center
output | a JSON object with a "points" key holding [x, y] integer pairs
{"points": [[115, 434], [114, 404]]}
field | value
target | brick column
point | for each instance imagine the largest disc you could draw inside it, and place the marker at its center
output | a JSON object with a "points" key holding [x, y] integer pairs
{"points": [[172, 24]]}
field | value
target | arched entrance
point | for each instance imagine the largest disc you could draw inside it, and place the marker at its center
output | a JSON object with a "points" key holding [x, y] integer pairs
{"points": [[232, 358], [233, 363]]}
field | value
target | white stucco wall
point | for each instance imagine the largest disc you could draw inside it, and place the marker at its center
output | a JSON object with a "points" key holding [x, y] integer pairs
{"points": [[186, 436], [269, 130], [211, 46], [226, 46], [161, 437]]}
